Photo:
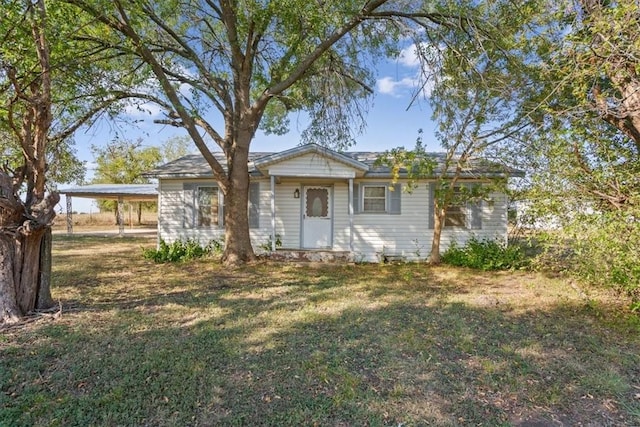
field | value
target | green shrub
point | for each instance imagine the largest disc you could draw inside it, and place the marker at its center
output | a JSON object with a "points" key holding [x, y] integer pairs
{"points": [[606, 252], [484, 255], [267, 246], [181, 250]]}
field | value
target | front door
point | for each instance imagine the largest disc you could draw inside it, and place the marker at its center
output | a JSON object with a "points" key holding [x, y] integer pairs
{"points": [[316, 217]]}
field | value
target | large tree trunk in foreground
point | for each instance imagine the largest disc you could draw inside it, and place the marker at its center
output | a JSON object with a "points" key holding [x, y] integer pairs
{"points": [[25, 275], [26, 270], [9, 311], [44, 299], [237, 247], [25, 258]]}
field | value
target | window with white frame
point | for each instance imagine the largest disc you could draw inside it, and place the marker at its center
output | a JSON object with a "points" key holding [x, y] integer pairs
{"points": [[208, 207], [374, 198]]}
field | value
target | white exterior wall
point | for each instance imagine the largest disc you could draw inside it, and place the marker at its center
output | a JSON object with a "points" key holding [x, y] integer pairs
{"points": [[287, 215], [311, 165], [375, 235], [171, 215], [341, 216], [408, 235], [382, 234]]}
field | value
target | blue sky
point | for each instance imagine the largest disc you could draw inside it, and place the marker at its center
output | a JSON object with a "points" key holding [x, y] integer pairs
{"points": [[391, 121]]}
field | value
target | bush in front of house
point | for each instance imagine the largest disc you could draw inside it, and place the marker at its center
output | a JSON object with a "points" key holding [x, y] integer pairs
{"points": [[484, 255], [181, 250]]}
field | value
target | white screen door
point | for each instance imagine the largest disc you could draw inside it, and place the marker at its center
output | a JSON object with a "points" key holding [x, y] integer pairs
{"points": [[316, 218]]}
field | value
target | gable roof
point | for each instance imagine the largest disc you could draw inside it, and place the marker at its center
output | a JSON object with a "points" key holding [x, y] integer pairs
{"points": [[310, 149], [195, 166]]}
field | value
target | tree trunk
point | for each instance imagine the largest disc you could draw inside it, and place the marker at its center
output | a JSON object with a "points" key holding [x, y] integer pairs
{"points": [[9, 310], [139, 213], [438, 223], [27, 265], [44, 300], [237, 248], [24, 220], [24, 272]]}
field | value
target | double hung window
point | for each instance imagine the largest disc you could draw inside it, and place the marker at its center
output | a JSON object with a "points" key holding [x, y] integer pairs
{"points": [[374, 199], [456, 213], [208, 207]]}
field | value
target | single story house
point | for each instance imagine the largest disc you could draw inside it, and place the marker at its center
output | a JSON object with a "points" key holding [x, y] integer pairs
{"points": [[313, 198]]}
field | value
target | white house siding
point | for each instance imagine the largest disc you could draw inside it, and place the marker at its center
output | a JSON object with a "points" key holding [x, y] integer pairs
{"points": [[311, 165], [341, 216], [407, 236], [172, 211], [287, 214], [494, 224], [375, 235]]}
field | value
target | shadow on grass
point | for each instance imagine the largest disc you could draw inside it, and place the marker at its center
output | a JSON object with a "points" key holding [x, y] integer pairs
{"points": [[196, 345], [449, 364]]}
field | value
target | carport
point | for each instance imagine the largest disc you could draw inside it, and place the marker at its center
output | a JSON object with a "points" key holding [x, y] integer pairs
{"points": [[119, 192]]}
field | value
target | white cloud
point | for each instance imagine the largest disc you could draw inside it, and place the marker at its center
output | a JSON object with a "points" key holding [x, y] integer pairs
{"points": [[415, 76], [390, 86], [409, 57]]}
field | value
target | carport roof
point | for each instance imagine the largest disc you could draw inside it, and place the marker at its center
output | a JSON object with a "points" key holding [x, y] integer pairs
{"points": [[132, 192]]}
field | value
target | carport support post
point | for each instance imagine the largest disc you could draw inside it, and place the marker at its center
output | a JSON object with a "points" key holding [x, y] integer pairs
{"points": [[120, 219], [69, 215], [351, 215], [273, 213]]}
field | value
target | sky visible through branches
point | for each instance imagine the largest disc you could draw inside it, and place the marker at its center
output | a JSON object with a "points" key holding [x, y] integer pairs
{"points": [[394, 120]]}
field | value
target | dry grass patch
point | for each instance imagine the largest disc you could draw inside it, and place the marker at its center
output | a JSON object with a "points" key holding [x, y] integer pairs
{"points": [[105, 221], [303, 344]]}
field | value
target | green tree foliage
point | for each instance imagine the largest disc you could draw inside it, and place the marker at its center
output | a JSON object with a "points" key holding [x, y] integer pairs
{"points": [[585, 160], [251, 63], [124, 162], [48, 90], [483, 96], [63, 165], [591, 131], [175, 147]]}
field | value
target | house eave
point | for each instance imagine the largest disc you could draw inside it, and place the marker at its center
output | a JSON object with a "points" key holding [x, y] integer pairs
{"points": [[465, 175], [264, 162]]}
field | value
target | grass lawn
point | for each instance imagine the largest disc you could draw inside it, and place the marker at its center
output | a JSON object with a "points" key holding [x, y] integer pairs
{"points": [[196, 344]]}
